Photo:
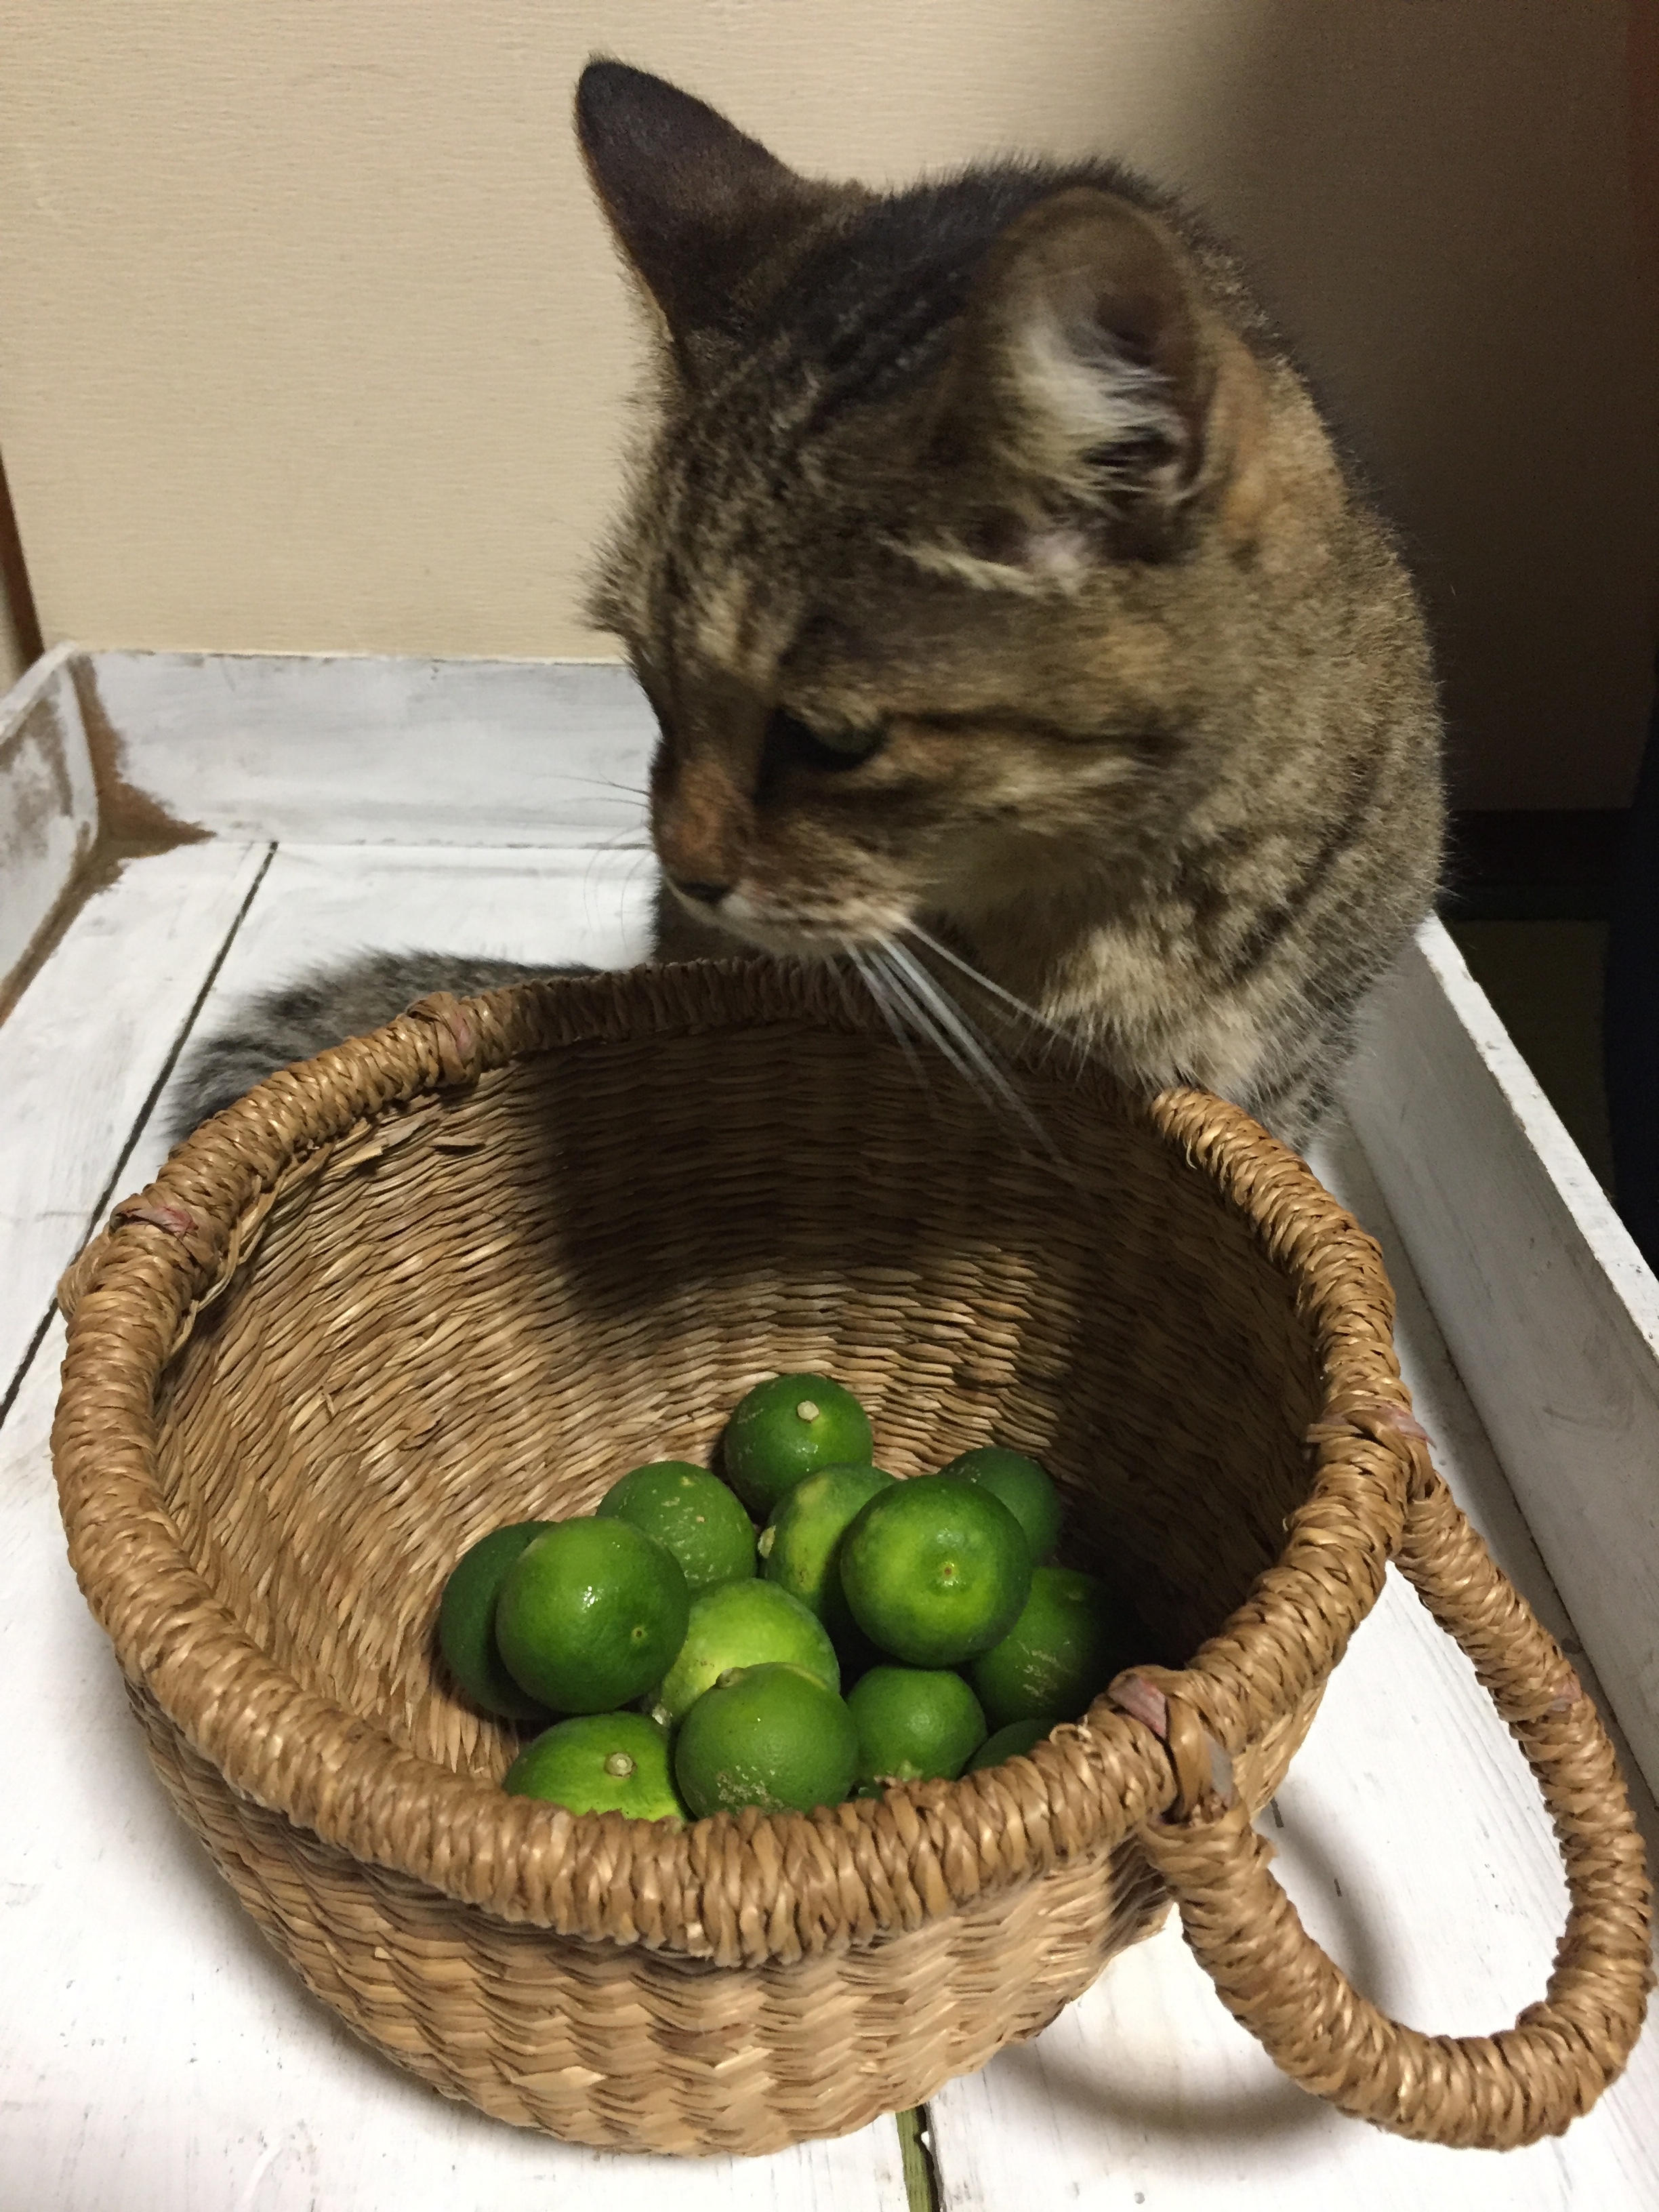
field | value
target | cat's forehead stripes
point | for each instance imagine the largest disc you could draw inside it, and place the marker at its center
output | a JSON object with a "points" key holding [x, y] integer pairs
{"points": [[717, 560], [727, 619]]}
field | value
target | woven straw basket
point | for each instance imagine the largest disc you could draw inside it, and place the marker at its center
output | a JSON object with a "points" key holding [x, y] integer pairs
{"points": [[471, 1269]]}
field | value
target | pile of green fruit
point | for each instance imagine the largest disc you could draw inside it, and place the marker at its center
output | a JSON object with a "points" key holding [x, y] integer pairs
{"points": [[701, 1670]]}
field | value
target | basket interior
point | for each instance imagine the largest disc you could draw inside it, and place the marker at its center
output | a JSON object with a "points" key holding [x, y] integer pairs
{"points": [[583, 1261]]}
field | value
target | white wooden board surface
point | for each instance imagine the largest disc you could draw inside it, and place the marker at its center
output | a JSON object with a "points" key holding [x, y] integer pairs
{"points": [[83, 1049], [1550, 1312], [327, 749], [48, 801], [162, 2058]]}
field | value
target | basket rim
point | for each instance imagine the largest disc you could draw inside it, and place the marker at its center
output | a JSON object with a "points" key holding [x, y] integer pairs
{"points": [[736, 1889]]}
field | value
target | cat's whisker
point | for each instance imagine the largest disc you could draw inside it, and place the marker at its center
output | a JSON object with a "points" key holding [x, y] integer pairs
{"points": [[607, 783], [914, 1015], [904, 999], [837, 968], [1027, 1012], [945, 1024], [621, 841], [881, 997], [1053, 1034], [941, 1025], [962, 1044]]}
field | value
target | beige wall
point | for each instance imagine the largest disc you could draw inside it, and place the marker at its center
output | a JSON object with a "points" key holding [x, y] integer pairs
{"points": [[310, 338]]}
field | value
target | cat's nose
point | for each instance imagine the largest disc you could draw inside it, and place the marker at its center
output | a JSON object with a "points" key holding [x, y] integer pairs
{"points": [[704, 894]]}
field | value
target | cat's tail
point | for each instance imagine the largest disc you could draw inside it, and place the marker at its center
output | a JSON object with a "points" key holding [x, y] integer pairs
{"points": [[319, 1009]]}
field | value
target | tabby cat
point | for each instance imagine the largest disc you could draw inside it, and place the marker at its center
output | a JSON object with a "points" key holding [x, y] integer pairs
{"points": [[1005, 606]]}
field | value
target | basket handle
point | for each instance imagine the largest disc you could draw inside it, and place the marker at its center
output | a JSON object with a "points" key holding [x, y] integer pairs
{"points": [[1494, 2092]]}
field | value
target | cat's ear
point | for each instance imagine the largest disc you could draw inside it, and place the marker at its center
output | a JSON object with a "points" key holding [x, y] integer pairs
{"points": [[692, 201], [1083, 384]]}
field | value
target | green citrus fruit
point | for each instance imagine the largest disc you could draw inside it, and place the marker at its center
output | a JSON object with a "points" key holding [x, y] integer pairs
{"points": [[786, 1428], [914, 1723], [1025, 1488], [742, 1624], [935, 1571], [1010, 1742], [798, 1544], [466, 1620], [775, 1737], [591, 1615], [601, 1763], [1070, 1639], [692, 1512]]}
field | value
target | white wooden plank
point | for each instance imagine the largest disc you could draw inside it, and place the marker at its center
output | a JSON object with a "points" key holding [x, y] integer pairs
{"points": [[325, 748], [1416, 1849], [1460, 1446], [48, 801], [157, 2056], [84, 1047], [1548, 1309]]}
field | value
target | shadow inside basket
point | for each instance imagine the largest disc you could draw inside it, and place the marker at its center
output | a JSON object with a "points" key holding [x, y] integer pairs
{"points": [[582, 1260]]}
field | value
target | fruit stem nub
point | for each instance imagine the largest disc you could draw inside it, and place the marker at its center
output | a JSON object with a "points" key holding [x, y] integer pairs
{"points": [[807, 1411], [620, 1764]]}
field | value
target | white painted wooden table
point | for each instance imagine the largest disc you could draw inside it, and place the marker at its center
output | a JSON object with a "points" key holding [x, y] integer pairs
{"points": [[155, 2058]]}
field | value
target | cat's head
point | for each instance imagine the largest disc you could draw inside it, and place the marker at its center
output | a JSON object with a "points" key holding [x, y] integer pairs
{"points": [[946, 487]]}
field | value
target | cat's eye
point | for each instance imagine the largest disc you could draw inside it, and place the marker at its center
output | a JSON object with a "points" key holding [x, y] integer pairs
{"points": [[791, 743]]}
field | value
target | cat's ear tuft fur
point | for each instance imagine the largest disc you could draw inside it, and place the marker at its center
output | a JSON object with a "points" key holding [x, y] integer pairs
{"points": [[1078, 394], [690, 199]]}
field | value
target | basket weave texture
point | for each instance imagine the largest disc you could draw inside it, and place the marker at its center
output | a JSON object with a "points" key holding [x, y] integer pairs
{"points": [[471, 1268]]}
